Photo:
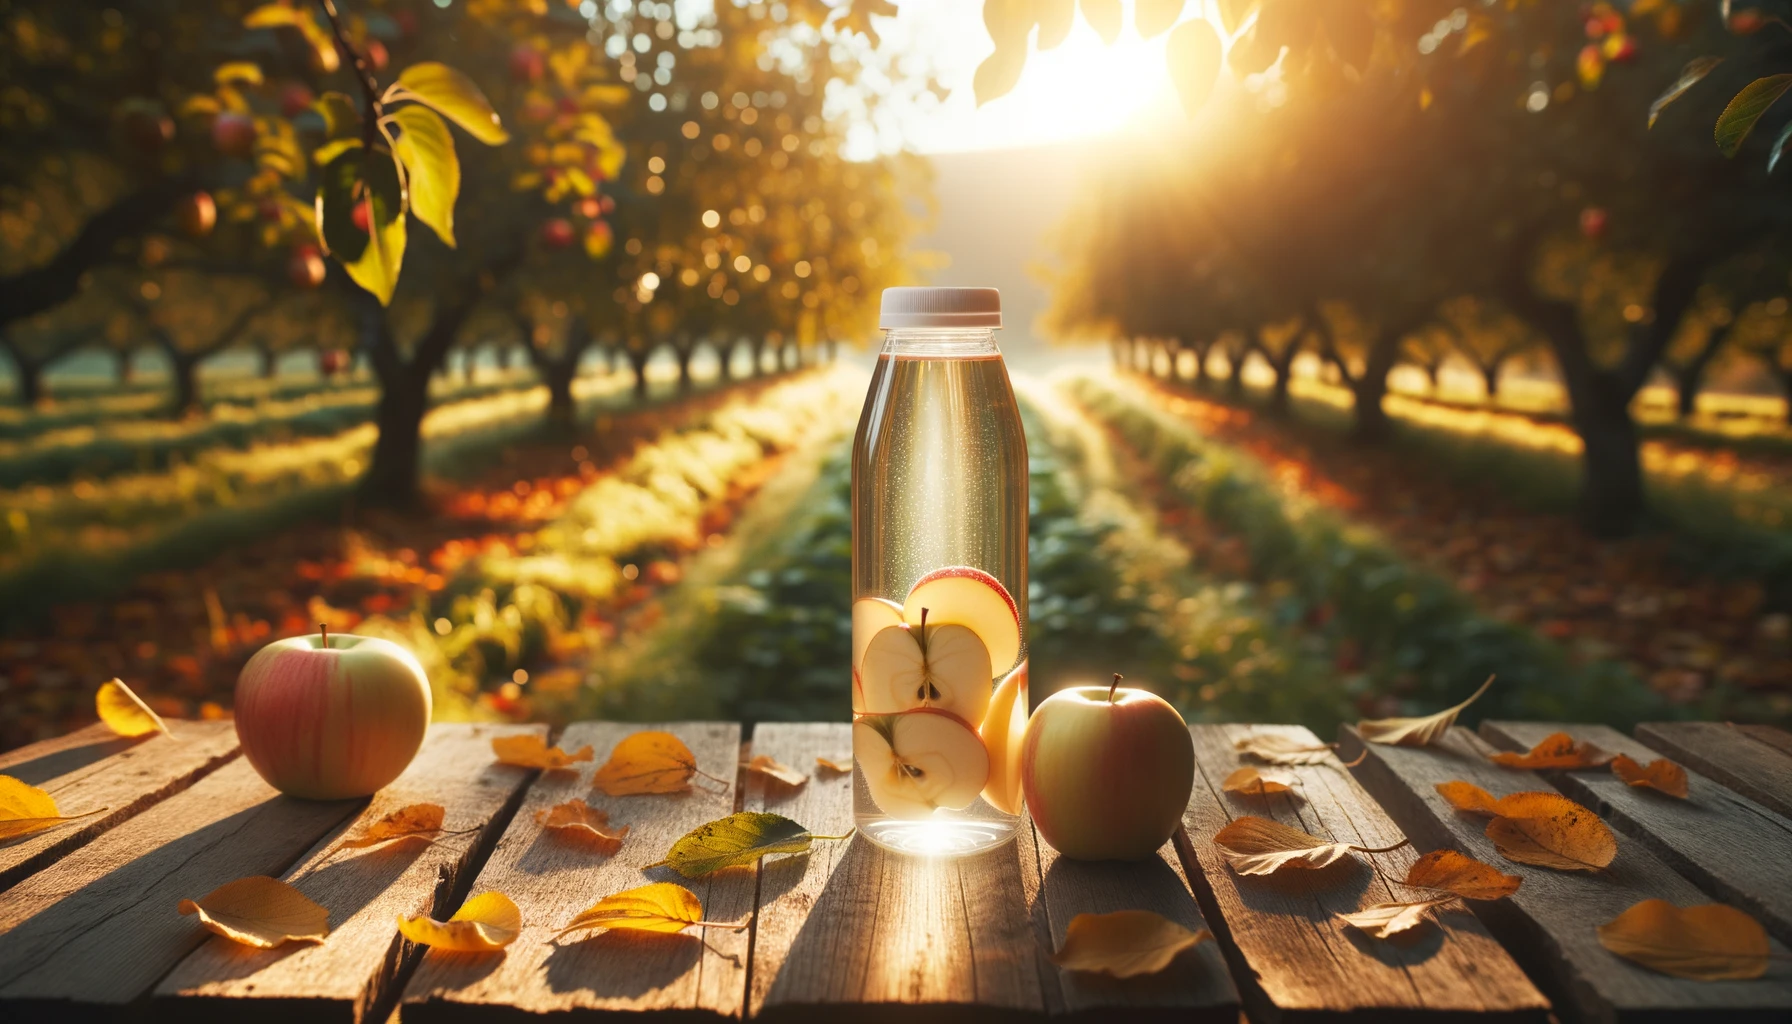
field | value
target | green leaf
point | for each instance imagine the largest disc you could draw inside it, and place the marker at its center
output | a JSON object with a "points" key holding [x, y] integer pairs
{"points": [[331, 150], [371, 258], [1193, 54], [737, 839], [454, 96], [432, 171], [1779, 147], [1746, 108], [1150, 17], [1693, 74], [342, 118]]}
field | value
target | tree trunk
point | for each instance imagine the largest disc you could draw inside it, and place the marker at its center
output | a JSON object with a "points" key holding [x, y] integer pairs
{"points": [[1490, 381], [759, 357], [270, 363], [186, 384], [683, 354], [558, 376], [1199, 379], [637, 362], [1370, 423], [833, 350], [1612, 497], [30, 377], [1278, 394], [1690, 378], [1235, 374], [123, 358], [392, 476], [725, 358]]}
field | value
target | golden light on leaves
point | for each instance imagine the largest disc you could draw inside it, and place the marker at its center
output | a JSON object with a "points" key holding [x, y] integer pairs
{"points": [[663, 907], [1259, 846], [769, 766], [1557, 750], [124, 712], [1385, 920], [411, 822], [1709, 942], [531, 751], [1194, 53], [740, 838], [260, 911], [578, 819], [1274, 748], [1258, 783], [487, 922], [1466, 796], [25, 809], [1124, 944], [646, 763], [1551, 831], [1660, 774], [830, 765], [1461, 875], [1416, 732]]}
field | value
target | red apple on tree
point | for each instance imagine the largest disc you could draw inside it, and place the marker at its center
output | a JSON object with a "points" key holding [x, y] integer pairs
{"points": [[295, 99], [556, 233], [376, 54], [1747, 22], [197, 214], [306, 267], [526, 63], [1593, 222], [362, 216], [233, 134]]}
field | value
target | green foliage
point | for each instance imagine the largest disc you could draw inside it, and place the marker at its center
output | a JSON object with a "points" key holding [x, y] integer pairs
{"points": [[361, 187], [1745, 110]]}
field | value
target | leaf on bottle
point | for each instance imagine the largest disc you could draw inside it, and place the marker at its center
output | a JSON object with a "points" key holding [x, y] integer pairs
{"points": [[1150, 17], [529, 750], [260, 911], [1125, 943], [483, 924], [1104, 17], [1551, 831], [838, 767], [645, 763], [25, 809], [1416, 732], [1461, 875], [999, 73], [1557, 750], [1274, 748], [767, 765], [432, 170], [1259, 846], [1691, 75], [663, 907], [1234, 12], [1708, 942], [1466, 796], [1258, 783], [1745, 109], [413, 821], [1385, 920], [1660, 774], [578, 819], [124, 712], [740, 838], [1056, 18], [454, 96], [1193, 54]]}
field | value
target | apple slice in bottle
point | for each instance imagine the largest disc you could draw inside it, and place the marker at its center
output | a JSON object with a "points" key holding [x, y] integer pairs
{"points": [[871, 615], [920, 760], [1004, 728], [926, 666], [961, 595]]}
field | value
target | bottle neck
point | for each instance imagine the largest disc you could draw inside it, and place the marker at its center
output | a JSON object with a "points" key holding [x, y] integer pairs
{"points": [[940, 342]]}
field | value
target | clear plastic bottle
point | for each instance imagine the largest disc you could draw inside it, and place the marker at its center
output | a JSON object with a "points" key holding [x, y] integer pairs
{"points": [[939, 573]]}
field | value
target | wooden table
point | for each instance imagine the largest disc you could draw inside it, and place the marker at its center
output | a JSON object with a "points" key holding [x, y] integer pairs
{"points": [[88, 927]]}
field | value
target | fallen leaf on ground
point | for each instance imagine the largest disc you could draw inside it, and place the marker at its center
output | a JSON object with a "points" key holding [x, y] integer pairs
{"points": [[765, 764], [260, 911], [1125, 943], [1461, 875], [124, 712], [1259, 846], [660, 907], [1275, 748], [740, 838], [414, 821], [529, 750], [1257, 783], [1709, 942], [1416, 732], [25, 809], [1385, 920], [648, 762], [487, 922], [1551, 831], [1557, 750], [590, 824], [1660, 774], [837, 767], [1466, 796]]}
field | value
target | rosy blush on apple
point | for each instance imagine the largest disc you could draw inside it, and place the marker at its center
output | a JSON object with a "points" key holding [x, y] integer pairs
{"points": [[870, 616], [919, 761], [1003, 730], [960, 595], [908, 667]]}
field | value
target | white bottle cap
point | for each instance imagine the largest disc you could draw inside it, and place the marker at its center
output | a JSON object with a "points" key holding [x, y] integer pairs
{"points": [[940, 307]]}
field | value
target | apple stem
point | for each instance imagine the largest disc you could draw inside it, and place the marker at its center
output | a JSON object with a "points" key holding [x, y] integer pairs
{"points": [[1115, 686], [324, 629]]}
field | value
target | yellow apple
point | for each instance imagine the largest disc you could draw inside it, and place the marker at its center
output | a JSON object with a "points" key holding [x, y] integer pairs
{"points": [[1004, 727]]}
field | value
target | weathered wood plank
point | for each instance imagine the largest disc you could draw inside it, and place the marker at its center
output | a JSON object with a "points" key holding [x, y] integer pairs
{"points": [[552, 879], [99, 927], [93, 768], [852, 929], [1293, 956], [1734, 755], [352, 975], [1775, 737], [1733, 848], [1549, 924]]}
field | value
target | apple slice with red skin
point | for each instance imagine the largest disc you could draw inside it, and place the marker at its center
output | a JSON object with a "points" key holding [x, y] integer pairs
{"points": [[963, 596], [1004, 730], [870, 616], [926, 666], [919, 761]]}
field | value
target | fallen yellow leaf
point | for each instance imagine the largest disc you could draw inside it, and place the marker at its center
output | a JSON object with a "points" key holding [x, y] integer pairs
{"points": [[739, 839], [576, 818], [1125, 943], [1416, 732], [1277, 749], [124, 712], [837, 767], [1384, 920], [260, 911], [487, 922], [413, 821], [1709, 942], [531, 751], [1660, 774], [663, 907], [1257, 783], [1461, 875], [1557, 750], [25, 809], [1551, 831], [769, 766], [1259, 846], [1466, 796], [648, 762]]}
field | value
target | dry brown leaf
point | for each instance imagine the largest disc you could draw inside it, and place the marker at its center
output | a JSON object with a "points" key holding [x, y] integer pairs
{"points": [[1275, 748], [1709, 942], [659, 907], [260, 911], [25, 809], [1660, 774], [1557, 750], [648, 762], [576, 818], [1466, 796], [767, 765], [1551, 831], [124, 712], [483, 924], [529, 750], [1125, 943], [414, 821], [837, 767], [1259, 846], [1461, 875], [1385, 920], [1416, 732], [1258, 783]]}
